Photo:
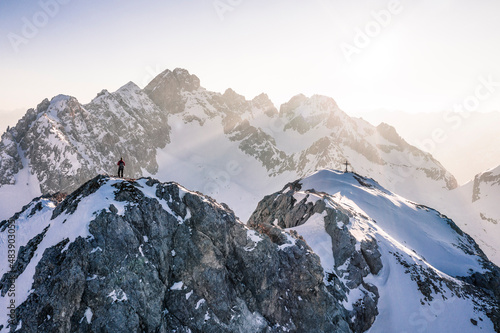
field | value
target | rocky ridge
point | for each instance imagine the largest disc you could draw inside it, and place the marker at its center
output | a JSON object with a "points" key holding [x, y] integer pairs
{"points": [[358, 243], [282, 211], [119, 255]]}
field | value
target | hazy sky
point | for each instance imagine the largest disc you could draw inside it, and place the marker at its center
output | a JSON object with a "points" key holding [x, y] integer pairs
{"points": [[400, 55]]}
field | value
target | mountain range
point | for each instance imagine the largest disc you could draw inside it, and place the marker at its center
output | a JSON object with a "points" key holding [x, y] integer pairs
{"points": [[233, 149], [362, 249]]}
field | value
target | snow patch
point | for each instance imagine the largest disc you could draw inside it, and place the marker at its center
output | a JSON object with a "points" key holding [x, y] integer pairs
{"points": [[290, 241], [119, 296], [313, 231], [87, 316], [253, 236], [96, 249], [177, 286], [200, 303]]}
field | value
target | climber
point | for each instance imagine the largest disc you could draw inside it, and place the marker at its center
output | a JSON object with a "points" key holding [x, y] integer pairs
{"points": [[121, 166]]}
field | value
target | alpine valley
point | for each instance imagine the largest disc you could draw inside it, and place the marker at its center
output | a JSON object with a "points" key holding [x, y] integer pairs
{"points": [[250, 227]]}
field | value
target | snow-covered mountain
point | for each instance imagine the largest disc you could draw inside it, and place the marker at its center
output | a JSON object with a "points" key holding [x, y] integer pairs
{"points": [[466, 143], [474, 207], [233, 149], [332, 252], [404, 267]]}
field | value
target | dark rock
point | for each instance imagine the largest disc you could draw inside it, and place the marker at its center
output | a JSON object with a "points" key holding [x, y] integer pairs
{"points": [[165, 89], [282, 210], [193, 267]]}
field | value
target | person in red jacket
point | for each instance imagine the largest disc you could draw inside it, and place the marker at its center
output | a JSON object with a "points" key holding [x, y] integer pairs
{"points": [[121, 166]]}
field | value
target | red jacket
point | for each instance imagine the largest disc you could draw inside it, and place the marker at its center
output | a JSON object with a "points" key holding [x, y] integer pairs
{"points": [[120, 162]]}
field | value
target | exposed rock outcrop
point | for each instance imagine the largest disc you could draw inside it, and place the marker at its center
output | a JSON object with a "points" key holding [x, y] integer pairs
{"points": [[359, 247], [160, 259], [283, 210]]}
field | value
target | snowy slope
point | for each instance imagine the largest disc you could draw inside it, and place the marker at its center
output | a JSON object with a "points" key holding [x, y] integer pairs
{"points": [[474, 207], [423, 263]]}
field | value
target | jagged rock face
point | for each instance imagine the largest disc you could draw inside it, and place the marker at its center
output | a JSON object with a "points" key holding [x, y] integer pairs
{"points": [[436, 172], [478, 200], [283, 210], [165, 89], [11, 162], [489, 178], [160, 258], [360, 259], [65, 143]]}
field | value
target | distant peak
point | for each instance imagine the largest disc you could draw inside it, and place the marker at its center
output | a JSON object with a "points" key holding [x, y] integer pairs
{"points": [[129, 86], [230, 93], [60, 98], [165, 89], [262, 98], [179, 79], [181, 71], [263, 102], [390, 133], [309, 106]]}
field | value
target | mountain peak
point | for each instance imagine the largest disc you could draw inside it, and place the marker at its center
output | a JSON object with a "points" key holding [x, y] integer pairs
{"points": [[390, 133], [179, 79], [166, 88], [129, 86], [233, 99], [301, 105], [371, 240], [263, 102]]}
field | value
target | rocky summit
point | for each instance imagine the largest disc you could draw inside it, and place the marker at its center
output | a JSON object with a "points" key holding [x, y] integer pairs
{"points": [[396, 266], [143, 256], [331, 252]]}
